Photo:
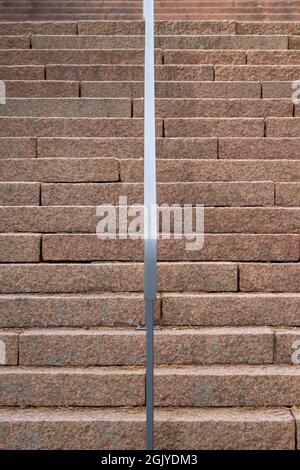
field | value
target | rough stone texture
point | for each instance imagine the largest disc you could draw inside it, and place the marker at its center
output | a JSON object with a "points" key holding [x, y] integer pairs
{"points": [[23, 386], [110, 27], [19, 248], [78, 56], [19, 194], [187, 108], [294, 42], [257, 72], [252, 220], [222, 42], [193, 56], [17, 147], [14, 42], [73, 127], [174, 89], [125, 148], [112, 89], [225, 429], [211, 386], [48, 169], [221, 247], [9, 347], [111, 429], [88, 42], [282, 127], [22, 72], [41, 89], [215, 170], [106, 347], [113, 277], [277, 89], [84, 219], [211, 127], [273, 57], [265, 148], [288, 194], [227, 194], [287, 346], [278, 27], [194, 27], [215, 90], [128, 72], [230, 309], [69, 107], [45, 27], [93, 310], [270, 277]]}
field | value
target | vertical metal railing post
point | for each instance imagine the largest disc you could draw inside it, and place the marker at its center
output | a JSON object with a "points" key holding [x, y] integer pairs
{"points": [[150, 223]]}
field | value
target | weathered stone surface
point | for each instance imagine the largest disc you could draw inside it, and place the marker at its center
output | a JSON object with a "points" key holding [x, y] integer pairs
{"points": [[69, 107], [77, 56], [71, 387], [283, 127], [288, 194], [194, 56], [132, 89], [88, 42], [120, 347], [273, 57], [294, 42], [41, 89], [22, 72], [212, 127], [14, 42], [230, 309], [211, 386], [187, 108], [174, 89], [62, 310], [268, 27], [9, 348], [252, 220], [209, 194], [33, 27], [194, 27], [110, 27], [125, 147], [277, 89], [257, 72], [53, 169], [128, 72], [222, 42], [19, 248], [114, 277], [73, 127], [17, 147], [265, 148], [161, 27], [84, 219], [108, 428], [19, 194], [221, 247], [270, 277], [287, 342], [215, 170]]}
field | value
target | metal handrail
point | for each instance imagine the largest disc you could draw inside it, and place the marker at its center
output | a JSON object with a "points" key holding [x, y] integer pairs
{"points": [[150, 222]]}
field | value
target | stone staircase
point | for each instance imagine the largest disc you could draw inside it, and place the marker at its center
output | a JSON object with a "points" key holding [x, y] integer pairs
{"points": [[71, 138]]}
